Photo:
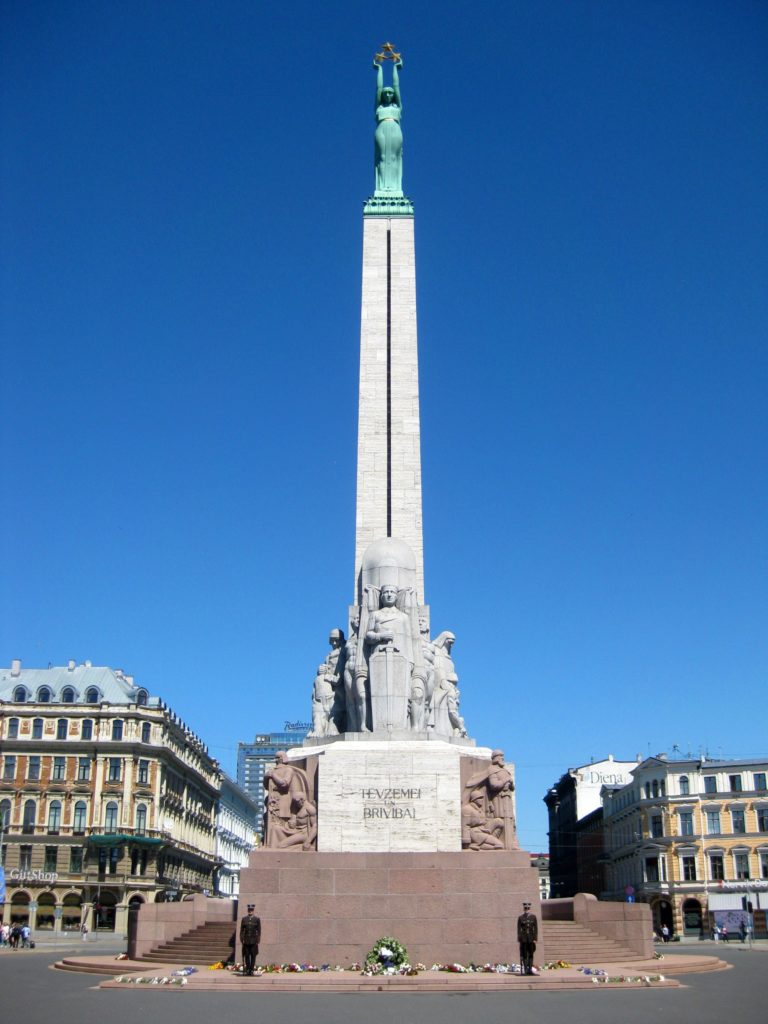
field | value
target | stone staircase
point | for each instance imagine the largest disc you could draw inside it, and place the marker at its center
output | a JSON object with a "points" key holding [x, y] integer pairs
{"points": [[567, 940], [206, 944]]}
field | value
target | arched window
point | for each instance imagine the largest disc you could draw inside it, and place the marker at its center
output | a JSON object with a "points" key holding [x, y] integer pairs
{"points": [[54, 816], [20, 694], [110, 817], [62, 728], [146, 731], [91, 695], [662, 788], [5, 815], [37, 728], [44, 695], [67, 695], [30, 813], [78, 820], [141, 697], [685, 786], [647, 791], [655, 788], [141, 819], [117, 729], [13, 728]]}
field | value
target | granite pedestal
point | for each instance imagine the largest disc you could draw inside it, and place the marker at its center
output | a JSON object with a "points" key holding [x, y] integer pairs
{"points": [[330, 908]]}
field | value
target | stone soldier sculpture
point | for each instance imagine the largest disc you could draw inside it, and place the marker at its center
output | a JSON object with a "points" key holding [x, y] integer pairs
{"points": [[527, 936], [250, 936], [354, 685]]}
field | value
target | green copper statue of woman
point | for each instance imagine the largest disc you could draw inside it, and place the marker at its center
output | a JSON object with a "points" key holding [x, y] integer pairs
{"points": [[388, 139]]}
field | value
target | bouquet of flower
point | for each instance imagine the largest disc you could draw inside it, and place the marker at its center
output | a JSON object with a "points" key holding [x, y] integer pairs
{"points": [[388, 956]]}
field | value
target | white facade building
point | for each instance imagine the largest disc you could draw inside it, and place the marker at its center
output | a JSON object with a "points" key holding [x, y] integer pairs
{"points": [[237, 825]]}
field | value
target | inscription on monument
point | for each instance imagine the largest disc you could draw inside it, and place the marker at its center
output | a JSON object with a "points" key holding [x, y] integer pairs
{"points": [[391, 802]]}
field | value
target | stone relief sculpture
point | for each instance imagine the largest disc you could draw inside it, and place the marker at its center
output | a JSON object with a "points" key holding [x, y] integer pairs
{"points": [[388, 677], [291, 816], [487, 808], [478, 830]]}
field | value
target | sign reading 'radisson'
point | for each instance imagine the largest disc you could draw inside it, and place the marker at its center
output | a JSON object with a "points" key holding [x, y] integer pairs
{"points": [[390, 802]]}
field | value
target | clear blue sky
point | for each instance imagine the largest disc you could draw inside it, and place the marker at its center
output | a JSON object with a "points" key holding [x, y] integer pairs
{"points": [[181, 241]]}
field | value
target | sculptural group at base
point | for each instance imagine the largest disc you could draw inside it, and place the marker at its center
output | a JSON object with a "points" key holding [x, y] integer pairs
{"points": [[388, 676], [389, 682]]}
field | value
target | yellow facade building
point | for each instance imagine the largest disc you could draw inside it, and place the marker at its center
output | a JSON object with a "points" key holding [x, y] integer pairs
{"points": [[690, 838]]}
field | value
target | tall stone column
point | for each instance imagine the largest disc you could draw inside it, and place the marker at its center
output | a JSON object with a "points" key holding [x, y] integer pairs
{"points": [[389, 438]]}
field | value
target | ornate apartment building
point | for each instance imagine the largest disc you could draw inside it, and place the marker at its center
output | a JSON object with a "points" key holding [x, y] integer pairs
{"points": [[238, 825], [106, 799], [690, 838]]}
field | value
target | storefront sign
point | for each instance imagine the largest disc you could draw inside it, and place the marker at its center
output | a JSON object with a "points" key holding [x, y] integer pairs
{"points": [[18, 875]]}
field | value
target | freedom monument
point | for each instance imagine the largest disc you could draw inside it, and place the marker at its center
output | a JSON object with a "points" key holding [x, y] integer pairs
{"points": [[390, 820]]}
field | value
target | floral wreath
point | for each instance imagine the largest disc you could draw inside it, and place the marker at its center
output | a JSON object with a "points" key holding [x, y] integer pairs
{"points": [[387, 953]]}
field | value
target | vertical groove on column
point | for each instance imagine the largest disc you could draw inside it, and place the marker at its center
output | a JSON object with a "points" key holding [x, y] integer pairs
{"points": [[389, 381]]}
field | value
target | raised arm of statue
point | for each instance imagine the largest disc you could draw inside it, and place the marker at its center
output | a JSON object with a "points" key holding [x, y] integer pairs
{"points": [[379, 84], [396, 84]]}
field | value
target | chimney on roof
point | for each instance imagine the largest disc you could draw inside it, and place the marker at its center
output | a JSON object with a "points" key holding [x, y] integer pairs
{"points": [[16, 667], [71, 665], [129, 680], [88, 664]]}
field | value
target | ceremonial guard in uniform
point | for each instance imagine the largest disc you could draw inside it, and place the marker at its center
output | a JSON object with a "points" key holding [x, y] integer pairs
{"points": [[527, 934], [250, 936]]}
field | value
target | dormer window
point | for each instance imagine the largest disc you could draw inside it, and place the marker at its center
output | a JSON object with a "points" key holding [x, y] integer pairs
{"points": [[91, 695], [67, 695], [44, 695], [142, 697], [20, 695]]}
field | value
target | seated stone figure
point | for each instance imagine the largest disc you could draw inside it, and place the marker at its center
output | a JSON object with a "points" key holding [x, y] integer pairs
{"points": [[291, 816], [478, 831]]}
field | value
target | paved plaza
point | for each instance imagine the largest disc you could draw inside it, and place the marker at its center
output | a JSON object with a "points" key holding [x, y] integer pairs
{"points": [[39, 994]]}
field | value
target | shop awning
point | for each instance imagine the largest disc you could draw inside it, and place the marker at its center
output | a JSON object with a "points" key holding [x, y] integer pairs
{"points": [[118, 838]]}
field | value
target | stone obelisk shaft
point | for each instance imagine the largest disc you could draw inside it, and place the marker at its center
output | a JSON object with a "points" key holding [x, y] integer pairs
{"points": [[388, 442]]}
